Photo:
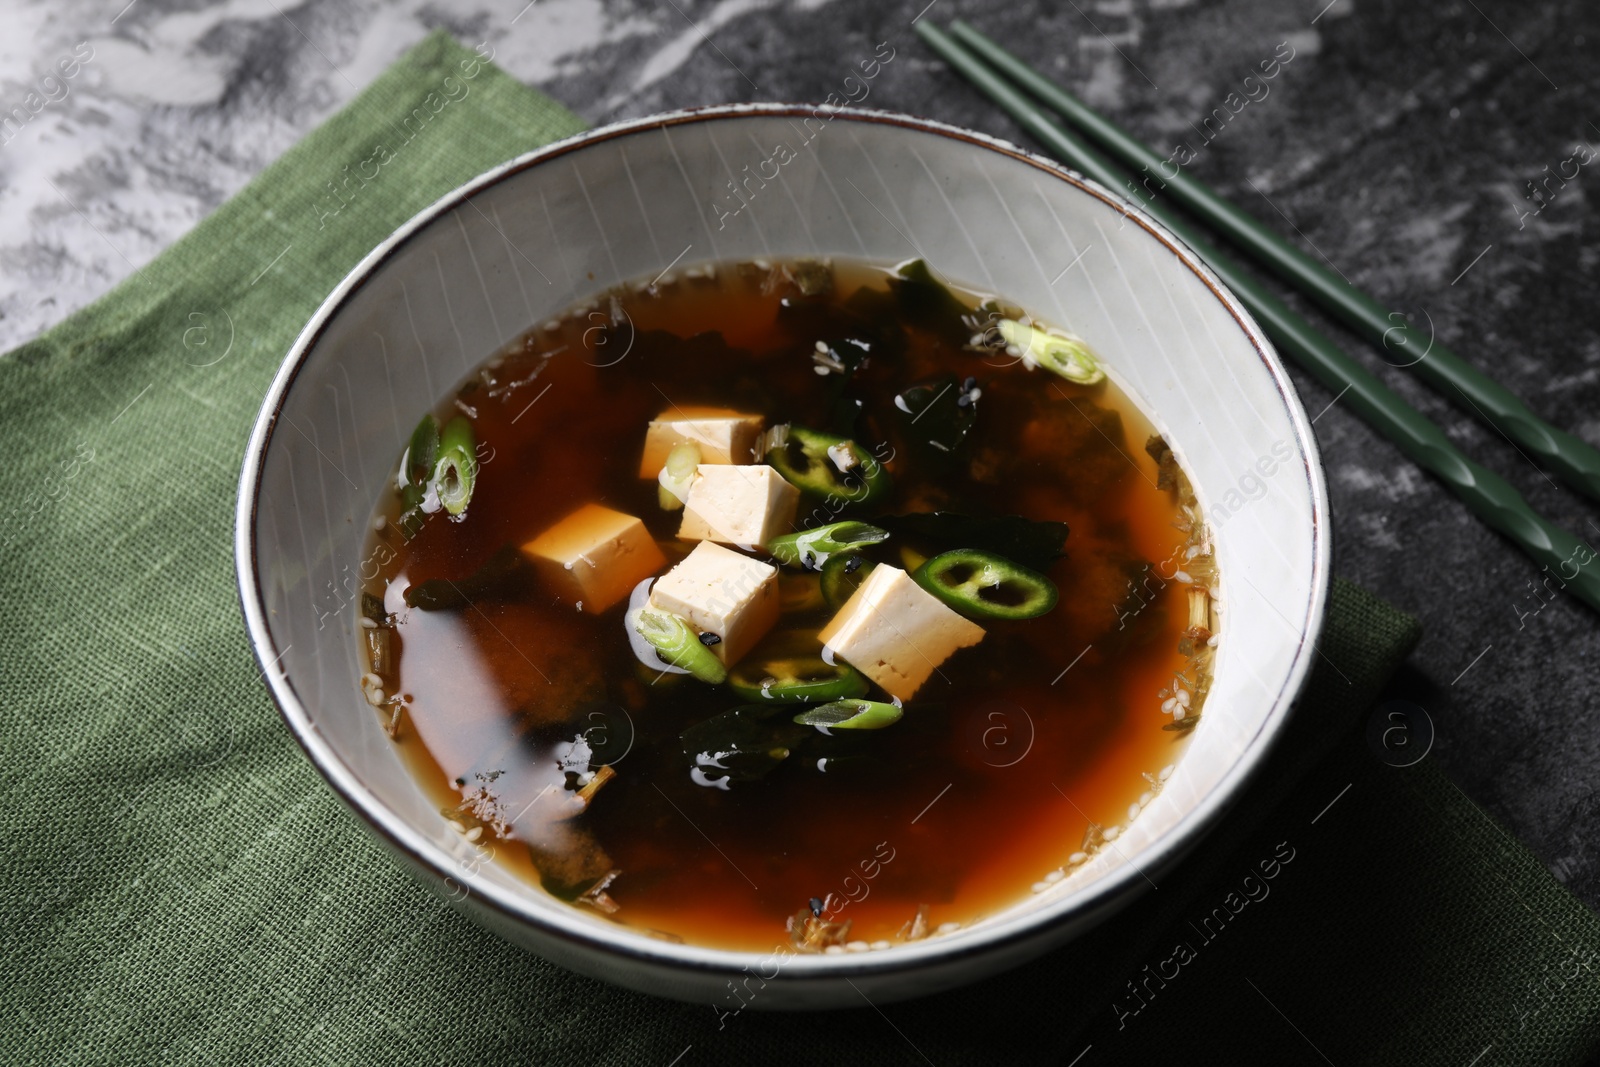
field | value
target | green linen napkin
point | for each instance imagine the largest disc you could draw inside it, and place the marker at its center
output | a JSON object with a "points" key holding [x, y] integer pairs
{"points": [[181, 888]]}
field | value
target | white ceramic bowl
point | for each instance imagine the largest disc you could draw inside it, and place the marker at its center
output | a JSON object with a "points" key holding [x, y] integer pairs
{"points": [[529, 239]]}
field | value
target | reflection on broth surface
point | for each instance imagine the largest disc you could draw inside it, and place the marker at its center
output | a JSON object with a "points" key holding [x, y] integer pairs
{"points": [[998, 713]]}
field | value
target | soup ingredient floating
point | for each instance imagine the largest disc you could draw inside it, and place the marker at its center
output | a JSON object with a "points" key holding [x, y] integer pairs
{"points": [[792, 570]]}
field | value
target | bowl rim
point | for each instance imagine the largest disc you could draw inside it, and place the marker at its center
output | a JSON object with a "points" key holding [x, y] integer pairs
{"points": [[521, 906]]}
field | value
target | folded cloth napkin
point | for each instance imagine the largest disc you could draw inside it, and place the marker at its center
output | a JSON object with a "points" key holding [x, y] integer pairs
{"points": [[181, 888]]}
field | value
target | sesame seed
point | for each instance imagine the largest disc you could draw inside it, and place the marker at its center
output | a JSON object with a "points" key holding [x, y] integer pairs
{"points": [[1112, 833], [879, 946], [856, 946], [1040, 887], [948, 928], [1077, 858], [834, 950], [1133, 811], [1055, 876]]}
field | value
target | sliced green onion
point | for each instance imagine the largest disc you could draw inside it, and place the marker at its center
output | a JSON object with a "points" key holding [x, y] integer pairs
{"points": [[678, 474], [851, 715], [796, 680], [812, 548], [1066, 356], [421, 452], [456, 469], [678, 644], [824, 464], [982, 585]]}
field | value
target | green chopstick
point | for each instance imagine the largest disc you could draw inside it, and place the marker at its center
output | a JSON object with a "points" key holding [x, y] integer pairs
{"points": [[1572, 459], [1485, 493]]}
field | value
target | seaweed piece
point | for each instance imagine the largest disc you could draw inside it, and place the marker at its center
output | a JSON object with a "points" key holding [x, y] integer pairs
{"points": [[505, 574], [742, 744], [1167, 470], [925, 301], [936, 416], [1068, 439], [372, 608], [812, 277], [707, 350], [1029, 542], [845, 417], [867, 319], [571, 863]]}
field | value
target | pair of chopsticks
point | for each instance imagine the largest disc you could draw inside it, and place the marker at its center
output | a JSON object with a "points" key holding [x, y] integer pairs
{"points": [[989, 66]]}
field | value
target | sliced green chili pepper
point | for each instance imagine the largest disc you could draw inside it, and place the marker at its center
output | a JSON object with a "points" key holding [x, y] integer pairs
{"points": [[842, 576], [851, 715], [456, 469], [812, 548], [826, 465], [795, 679], [678, 644], [985, 586]]}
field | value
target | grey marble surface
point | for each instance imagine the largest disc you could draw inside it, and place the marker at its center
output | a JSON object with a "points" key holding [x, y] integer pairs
{"points": [[1397, 143]]}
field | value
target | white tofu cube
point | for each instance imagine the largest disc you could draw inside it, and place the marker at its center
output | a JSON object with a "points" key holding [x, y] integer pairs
{"points": [[724, 436], [595, 556], [723, 592], [896, 632], [738, 505]]}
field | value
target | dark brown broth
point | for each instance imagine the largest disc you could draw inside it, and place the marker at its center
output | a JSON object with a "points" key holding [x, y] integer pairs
{"points": [[972, 809]]}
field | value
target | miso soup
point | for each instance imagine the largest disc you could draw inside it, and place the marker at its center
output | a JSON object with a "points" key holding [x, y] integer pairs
{"points": [[809, 604]]}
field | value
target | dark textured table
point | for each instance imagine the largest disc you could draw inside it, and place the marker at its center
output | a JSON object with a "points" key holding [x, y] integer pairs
{"points": [[1397, 141]]}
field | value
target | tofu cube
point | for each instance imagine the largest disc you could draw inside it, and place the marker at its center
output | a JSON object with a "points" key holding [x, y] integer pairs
{"points": [[896, 632], [723, 592], [595, 556], [724, 436], [738, 505]]}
